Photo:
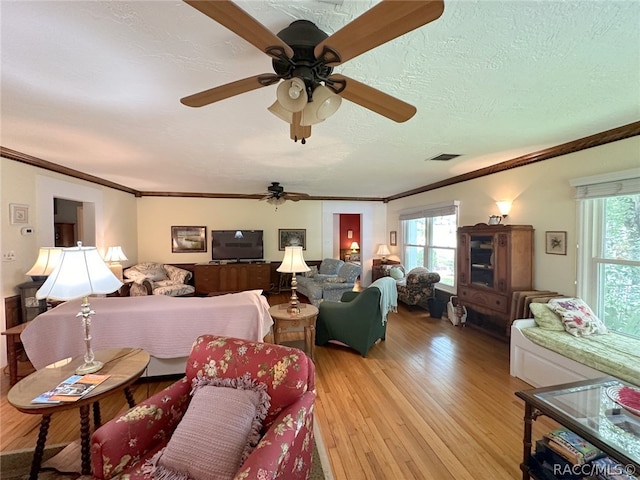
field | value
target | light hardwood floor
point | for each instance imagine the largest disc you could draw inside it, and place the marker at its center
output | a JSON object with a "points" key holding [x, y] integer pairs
{"points": [[433, 401]]}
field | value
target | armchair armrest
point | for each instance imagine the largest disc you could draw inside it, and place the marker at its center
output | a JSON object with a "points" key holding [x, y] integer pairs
{"points": [[121, 442], [292, 428], [337, 286]]}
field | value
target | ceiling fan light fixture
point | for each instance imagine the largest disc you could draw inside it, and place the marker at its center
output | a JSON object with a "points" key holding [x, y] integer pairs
{"points": [[276, 201], [325, 103], [292, 94]]}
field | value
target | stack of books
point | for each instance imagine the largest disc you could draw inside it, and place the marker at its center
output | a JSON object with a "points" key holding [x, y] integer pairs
{"points": [[572, 447]]}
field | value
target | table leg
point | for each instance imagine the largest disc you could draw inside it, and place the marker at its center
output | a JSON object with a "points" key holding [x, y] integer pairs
{"points": [[529, 418], [84, 440], [130, 399], [97, 418], [39, 451], [310, 340], [12, 359]]}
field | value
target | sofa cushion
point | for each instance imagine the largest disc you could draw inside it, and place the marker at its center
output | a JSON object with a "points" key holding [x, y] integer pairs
{"points": [[218, 431], [313, 272], [149, 270], [350, 272], [330, 266]]}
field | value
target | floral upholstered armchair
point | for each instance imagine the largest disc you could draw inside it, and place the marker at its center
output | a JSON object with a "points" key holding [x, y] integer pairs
{"points": [[150, 278], [417, 287], [128, 446]]}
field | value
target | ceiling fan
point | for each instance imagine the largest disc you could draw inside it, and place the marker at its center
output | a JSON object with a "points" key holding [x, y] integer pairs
{"points": [[277, 196], [303, 57]]}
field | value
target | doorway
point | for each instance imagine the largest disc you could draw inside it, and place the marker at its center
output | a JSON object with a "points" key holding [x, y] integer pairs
{"points": [[67, 217]]}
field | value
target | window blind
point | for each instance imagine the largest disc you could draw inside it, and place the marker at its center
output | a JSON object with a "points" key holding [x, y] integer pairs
{"points": [[621, 183], [437, 210]]}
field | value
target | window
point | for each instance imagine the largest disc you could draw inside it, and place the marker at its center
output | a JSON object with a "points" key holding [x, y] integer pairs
{"points": [[429, 240], [609, 261]]}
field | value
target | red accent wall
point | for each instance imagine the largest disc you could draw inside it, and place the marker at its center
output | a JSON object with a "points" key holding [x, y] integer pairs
{"points": [[349, 221]]}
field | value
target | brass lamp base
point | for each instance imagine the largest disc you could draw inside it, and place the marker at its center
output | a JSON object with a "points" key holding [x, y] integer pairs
{"points": [[89, 367]]}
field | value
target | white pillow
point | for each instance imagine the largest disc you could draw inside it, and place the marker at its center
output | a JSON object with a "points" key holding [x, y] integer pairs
{"points": [[578, 319], [396, 273]]}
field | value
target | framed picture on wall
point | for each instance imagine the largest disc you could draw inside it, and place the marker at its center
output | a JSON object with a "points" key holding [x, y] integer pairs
{"points": [[393, 238], [188, 239], [18, 213], [292, 237], [556, 243]]}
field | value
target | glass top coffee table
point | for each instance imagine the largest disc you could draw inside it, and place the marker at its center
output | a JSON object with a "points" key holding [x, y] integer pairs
{"points": [[587, 408]]}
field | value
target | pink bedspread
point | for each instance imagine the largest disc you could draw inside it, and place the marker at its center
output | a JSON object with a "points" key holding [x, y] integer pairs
{"points": [[163, 326]]}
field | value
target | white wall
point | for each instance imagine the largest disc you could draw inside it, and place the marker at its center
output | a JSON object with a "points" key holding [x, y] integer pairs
{"points": [[115, 212], [541, 197]]}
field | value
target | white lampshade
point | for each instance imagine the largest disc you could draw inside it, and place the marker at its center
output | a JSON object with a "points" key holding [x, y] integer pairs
{"points": [[292, 94], [281, 112], [80, 272], [293, 261], [48, 259], [355, 246], [383, 250], [115, 255], [324, 104], [504, 207]]}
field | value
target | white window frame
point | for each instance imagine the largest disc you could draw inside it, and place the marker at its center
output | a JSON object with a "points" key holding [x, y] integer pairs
{"points": [[427, 212], [590, 235]]}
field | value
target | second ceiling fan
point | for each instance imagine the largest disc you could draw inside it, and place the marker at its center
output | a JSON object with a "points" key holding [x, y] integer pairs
{"points": [[304, 57]]}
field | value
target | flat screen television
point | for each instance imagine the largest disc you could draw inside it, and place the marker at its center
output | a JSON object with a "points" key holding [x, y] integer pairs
{"points": [[236, 245]]}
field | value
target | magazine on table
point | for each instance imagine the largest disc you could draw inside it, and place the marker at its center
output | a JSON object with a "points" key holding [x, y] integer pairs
{"points": [[72, 389]]}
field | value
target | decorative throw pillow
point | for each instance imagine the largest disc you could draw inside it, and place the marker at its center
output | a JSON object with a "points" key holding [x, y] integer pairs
{"points": [[578, 319], [313, 272], [335, 280], [545, 317], [396, 273], [218, 431]]}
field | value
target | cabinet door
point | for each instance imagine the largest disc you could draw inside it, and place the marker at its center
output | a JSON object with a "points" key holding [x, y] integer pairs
{"points": [[482, 260], [501, 256], [464, 271]]}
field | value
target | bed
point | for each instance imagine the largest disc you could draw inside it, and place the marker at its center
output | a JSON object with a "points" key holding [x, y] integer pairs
{"points": [[163, 326]]}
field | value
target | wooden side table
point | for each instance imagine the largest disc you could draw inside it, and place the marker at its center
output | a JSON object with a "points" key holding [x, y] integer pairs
{"points": [[285, 321], [13, 346], [124, 365]]}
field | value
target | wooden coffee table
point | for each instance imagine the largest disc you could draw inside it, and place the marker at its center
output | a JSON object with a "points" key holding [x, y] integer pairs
{"points": [[285, 321], [124, 365]]}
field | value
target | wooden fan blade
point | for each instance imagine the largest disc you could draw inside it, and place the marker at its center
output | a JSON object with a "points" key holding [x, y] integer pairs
{"points": [[228, 90], [229, 15], [385, 21], [375, 100]]}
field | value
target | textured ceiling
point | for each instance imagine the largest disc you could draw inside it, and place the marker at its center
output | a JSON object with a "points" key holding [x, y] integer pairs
{"points": [[95, 86]]}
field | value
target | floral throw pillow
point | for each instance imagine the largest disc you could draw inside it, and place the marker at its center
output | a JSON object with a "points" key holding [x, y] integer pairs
{"points": [[336, 280], [578, 319], [313, 272]]}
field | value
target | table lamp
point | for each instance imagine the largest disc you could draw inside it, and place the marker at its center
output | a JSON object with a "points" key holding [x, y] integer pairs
{"points": [[354, 247], [81, 272], [292, 263], [114, 256], [48, 258], [383, 250]]}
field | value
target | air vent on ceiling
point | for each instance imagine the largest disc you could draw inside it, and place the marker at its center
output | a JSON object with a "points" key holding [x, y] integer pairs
{"points": [[444, 157]]}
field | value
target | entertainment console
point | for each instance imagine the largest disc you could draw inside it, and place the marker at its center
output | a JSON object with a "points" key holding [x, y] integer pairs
{"points": [[231, 277]]}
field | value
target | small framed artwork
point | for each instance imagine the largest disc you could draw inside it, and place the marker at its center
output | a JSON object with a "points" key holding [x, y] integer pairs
{"points": [[188, 239], [292, 237], [393, 238], [19, 214], [556, 243], [349, 233]]}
